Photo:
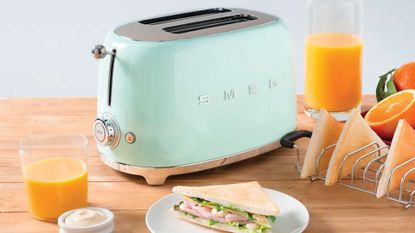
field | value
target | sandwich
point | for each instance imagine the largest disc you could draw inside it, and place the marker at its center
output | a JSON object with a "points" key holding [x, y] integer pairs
{"points": [[326, 132], [355, 135], [238, 208], [402, 149]]}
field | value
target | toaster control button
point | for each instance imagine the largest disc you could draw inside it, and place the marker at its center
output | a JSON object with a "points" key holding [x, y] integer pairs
{"points": [[100, 131], [130, 137], [106, 131]]}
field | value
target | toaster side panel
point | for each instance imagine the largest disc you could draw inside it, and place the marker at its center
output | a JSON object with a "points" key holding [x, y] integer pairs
{"points": [[194, 100]]}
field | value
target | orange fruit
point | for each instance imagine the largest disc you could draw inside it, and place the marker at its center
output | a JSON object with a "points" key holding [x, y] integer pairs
{"points": [[384, 116], [404, 77]]}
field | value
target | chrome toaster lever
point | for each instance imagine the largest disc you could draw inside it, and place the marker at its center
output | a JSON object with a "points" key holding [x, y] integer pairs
{"points": [[99, 51]]}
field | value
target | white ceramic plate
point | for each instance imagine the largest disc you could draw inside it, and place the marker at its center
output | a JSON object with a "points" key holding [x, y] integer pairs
{"points": [[159, 219]]}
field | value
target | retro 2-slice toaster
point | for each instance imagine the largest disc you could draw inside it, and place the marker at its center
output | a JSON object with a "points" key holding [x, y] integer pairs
{"points": [[193, 91]]}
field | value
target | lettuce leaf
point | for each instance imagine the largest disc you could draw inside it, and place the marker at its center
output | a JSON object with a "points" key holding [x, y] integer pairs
{"points": [[212, 222], [242, 227], [271, 218]]}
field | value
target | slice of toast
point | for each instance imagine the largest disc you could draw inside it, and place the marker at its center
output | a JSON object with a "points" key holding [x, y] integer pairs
{"points": [[325, 133], [249, 196], [355, 135], [402, 149]]}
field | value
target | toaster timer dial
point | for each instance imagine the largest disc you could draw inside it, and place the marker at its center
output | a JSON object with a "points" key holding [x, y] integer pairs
{"points": [[106, 131]]}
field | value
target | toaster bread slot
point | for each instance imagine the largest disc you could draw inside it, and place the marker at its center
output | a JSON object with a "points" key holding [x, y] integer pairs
{"points": [[210, 23], [110, 77], [172, 18]]}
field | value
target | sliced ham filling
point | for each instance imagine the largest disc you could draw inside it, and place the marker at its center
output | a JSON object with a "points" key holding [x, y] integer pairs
{"points": [[206, 212]]}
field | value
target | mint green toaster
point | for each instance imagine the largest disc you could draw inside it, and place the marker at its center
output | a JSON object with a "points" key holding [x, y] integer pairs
{"points": [[192, 91]]}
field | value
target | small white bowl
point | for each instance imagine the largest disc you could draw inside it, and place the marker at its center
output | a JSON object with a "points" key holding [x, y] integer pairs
{"points": [[107, 226]]}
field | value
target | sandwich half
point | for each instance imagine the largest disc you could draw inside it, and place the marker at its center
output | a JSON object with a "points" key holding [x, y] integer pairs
{"points": [[238, 208], [325, 133], [402, 149], [355, 135]]}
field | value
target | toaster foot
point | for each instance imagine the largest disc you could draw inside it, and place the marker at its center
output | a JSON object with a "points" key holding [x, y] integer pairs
{"points": [[155, 180]]}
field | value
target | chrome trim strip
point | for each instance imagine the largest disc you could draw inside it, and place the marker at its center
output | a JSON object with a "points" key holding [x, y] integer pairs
{"points": [[154, 32], [158, 175]]}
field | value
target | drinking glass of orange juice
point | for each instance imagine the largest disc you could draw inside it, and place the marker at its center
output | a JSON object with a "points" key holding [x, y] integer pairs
{"points": [[55, 174], [333, 57]]}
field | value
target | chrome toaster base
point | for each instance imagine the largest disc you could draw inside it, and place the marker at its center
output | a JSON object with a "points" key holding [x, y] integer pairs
{"points": [[158, 175]]}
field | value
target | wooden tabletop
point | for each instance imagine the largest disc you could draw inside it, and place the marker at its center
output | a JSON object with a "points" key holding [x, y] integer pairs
{"points": [[332, 209]]}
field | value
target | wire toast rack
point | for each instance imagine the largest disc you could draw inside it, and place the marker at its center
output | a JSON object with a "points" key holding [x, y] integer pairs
{"points": [[362, 178]]}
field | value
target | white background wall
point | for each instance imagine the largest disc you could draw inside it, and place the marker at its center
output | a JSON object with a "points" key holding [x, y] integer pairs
{"points": [[45, 44]]}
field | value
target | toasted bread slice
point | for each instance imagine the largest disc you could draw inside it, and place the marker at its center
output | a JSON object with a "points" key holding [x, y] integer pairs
{"points": [[325, 133], [247, 196], [355, 135], [402, 149]]}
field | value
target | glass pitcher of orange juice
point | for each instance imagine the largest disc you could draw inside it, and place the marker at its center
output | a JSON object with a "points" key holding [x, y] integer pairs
{"points": [[55, 174], [333, 57]]}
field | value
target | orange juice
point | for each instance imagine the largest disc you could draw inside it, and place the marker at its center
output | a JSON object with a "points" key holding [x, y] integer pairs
{"points": [[55, 185], [333, 72]]}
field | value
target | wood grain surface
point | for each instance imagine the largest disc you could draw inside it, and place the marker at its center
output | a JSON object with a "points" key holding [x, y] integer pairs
{"points": [[332, 209]]}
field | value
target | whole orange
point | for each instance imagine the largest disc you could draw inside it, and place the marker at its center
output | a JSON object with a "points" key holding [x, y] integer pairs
{"points": [[404, 77]]}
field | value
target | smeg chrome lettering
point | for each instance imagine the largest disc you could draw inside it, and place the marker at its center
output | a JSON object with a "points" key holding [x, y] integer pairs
{"points": [[230, 94]]}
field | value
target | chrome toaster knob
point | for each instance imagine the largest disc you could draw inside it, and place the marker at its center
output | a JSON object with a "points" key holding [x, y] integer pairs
{"points": [[99, 51], [106, 131]]}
